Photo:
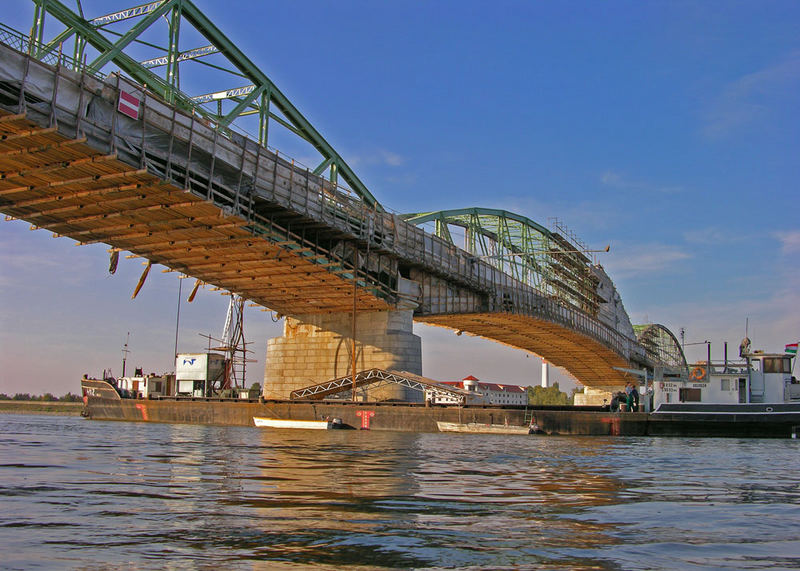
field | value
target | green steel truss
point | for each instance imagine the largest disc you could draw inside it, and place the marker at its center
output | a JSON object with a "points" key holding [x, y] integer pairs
{"points": [[661, 346], [520, 247], [100, 42]]}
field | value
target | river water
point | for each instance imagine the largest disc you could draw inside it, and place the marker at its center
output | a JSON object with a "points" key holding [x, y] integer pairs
{"points": [[80, 494]]}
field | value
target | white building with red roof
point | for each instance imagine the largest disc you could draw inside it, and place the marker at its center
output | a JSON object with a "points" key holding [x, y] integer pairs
{"points": [[484, 393]]}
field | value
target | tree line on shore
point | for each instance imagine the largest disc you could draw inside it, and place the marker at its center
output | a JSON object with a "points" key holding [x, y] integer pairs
{"points": [[47, 397], [551, 395]]}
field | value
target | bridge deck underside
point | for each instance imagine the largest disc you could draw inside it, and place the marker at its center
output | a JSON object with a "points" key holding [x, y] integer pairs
{"points": [[65, 186], [587, 360]]}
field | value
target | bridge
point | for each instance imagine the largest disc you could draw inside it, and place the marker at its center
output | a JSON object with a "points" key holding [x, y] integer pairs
{"points": [[97, 147]]}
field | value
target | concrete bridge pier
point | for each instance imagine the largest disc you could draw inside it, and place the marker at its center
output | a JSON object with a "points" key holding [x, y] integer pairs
{"points": [[318, 347]]}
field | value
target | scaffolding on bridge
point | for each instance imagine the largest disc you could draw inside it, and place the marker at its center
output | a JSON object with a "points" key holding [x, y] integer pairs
{"points": [[146, 43], [554, 263]]}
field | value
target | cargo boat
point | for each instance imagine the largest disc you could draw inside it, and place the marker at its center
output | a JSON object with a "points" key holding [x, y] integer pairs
{"points": [[102, 402]]}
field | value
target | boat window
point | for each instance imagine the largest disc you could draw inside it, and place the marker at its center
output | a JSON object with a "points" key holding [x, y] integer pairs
{"points": [[777, 365], [725, 384], [689, 395]]}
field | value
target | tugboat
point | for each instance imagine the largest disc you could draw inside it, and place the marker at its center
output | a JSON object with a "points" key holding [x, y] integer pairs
{"points": [[757, 396], [757, 384]]}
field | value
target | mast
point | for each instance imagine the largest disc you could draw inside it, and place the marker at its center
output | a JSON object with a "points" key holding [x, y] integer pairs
{"points": [[125, 352]]}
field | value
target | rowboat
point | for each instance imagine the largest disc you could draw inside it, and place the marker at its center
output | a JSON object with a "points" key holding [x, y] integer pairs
{"points": [[303, 424], [476, 427]]}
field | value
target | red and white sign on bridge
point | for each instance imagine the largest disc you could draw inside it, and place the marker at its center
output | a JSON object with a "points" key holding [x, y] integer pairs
{"points": [[128, 104]]}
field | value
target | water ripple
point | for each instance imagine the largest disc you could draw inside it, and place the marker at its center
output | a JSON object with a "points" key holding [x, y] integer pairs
{"points": [[141, 496]]}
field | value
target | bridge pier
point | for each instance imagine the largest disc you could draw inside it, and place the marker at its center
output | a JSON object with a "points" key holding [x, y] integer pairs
{"points": [[318, 347]]}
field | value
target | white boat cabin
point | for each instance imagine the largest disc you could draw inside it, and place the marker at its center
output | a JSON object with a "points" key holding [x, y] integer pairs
{"points": [[761, 378], [143, 386]]}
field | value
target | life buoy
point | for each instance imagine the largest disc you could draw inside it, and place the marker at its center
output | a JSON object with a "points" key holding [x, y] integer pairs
{"points": [[698, 374]]}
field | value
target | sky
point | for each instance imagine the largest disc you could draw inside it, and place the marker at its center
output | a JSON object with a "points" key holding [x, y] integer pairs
{"points": [[668, 130]]}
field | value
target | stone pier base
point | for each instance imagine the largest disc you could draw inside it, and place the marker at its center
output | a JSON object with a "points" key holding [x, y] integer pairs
{"points": [[318, 348], [593, 397]]}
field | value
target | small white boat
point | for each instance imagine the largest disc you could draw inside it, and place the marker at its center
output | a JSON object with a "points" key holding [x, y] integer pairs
{"points": [[476, 427], [304, 424]]}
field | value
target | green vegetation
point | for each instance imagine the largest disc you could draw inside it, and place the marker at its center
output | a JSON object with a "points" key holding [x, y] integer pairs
{"points": [[24, 403], [548, 396], [47, 397]]}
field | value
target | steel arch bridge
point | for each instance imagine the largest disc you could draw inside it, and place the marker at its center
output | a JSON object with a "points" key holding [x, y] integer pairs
{"points": [[253, 222]]}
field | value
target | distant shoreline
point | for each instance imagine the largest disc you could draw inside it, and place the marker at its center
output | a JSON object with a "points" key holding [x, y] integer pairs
{"points": [[40, 407]]}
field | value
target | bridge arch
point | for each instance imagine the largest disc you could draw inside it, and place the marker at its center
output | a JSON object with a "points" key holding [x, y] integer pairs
{"points": [[661, 347], [555, 300], [554, 262]]}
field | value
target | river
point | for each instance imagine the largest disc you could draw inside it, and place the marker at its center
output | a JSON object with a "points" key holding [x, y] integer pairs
{"points": [[80, 494]]}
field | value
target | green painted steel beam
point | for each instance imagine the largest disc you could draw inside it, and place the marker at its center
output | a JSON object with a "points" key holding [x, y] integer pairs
{"points": [[114, 51], [241, 106], [126, 14], [127, 38], [209, 30], [322, 166], [102, 44], [422, 217]]}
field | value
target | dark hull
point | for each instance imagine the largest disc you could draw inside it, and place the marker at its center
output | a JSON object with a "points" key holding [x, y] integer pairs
{"points": [[102, 403]]}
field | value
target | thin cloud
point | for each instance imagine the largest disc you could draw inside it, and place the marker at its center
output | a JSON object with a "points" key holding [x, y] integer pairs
{"points": [[618, 181], [790, 241], [377, 157], [644, 259], [714, 236], [750, 99], [773, 316]]}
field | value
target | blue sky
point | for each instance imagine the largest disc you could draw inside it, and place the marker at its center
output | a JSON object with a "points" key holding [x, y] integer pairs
{"points": [[666, 129]]}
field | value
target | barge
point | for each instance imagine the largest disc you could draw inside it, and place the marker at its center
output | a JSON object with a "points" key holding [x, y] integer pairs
{"points": [[758, 397], [102, 402]]}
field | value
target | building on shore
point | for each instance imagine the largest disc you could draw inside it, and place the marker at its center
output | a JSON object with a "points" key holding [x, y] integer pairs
{"points": [[484, 393]]}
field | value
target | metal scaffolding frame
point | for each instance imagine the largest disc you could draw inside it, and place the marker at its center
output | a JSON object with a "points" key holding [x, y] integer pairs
{"points": [[661, 347], [556, 265], [378, 377]]}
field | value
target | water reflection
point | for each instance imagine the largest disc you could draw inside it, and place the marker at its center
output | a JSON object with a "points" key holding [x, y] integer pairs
{"points": [[76, 493]]}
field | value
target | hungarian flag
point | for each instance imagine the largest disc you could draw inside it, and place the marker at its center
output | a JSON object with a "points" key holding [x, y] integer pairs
{"points": [[791, 348]]}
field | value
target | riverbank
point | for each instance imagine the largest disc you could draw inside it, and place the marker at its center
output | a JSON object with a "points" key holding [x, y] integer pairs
{"points": [[40, 407]]}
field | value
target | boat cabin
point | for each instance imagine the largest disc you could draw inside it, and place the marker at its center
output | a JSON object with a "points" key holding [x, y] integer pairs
{"points": [[760, 378], [196, 373], [143, 386]]}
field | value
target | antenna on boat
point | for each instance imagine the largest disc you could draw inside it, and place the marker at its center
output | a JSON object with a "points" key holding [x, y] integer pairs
{"points": [[178, 316], [125, 352]]}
